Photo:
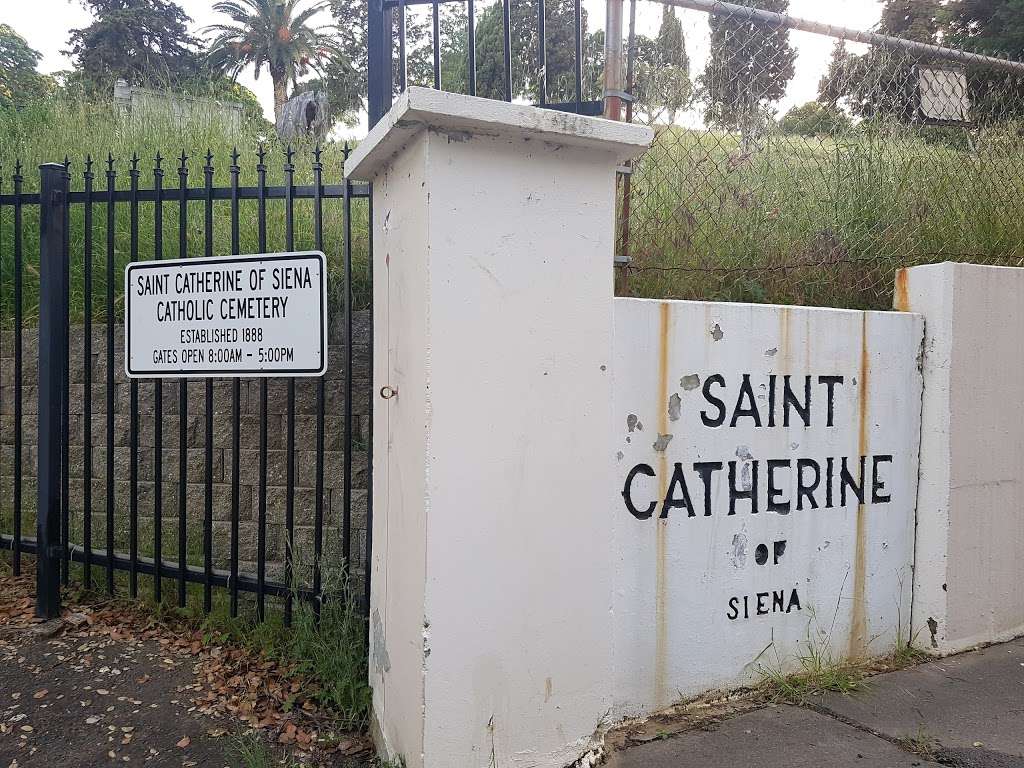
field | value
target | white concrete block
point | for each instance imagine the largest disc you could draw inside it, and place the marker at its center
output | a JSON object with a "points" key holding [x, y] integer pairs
{"points": [[701, 387], [970, 519], [491, 604]]}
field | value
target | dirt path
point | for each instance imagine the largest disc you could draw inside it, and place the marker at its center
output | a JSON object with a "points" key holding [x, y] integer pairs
{"points": [[108, 684], [75, 701]]}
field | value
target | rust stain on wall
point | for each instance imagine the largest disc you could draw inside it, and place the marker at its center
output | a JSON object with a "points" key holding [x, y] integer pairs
{"points": [[782, 356], [661, 596], [901, 300], [858, 619]]}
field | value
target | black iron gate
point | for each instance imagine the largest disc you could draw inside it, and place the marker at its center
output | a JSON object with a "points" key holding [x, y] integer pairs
{"points": [[236, 490], [389, 50]]}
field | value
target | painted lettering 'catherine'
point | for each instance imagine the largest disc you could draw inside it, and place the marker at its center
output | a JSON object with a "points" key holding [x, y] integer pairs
{"points": [[754, 486]]}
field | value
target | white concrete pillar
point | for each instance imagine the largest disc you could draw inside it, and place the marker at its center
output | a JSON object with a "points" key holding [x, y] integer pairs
{"points": [[969, 561], [493, 242]]}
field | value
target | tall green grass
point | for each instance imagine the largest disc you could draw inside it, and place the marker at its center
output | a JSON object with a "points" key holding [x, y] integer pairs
{"points": [[49, 130], [819, 220], [822, 220]]}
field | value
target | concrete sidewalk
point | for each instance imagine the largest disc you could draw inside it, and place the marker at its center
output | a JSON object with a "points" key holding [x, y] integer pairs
{"points": [[965, 710]]}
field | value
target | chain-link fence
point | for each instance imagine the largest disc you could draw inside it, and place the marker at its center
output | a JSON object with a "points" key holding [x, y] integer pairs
{"points": [[797, 163]]}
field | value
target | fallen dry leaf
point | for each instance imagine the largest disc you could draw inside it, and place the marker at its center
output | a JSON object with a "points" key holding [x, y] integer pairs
{"points": [[185, 742]]}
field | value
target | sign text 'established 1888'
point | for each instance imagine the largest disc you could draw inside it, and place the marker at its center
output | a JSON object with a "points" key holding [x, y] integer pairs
{"points": [[256, 315]]}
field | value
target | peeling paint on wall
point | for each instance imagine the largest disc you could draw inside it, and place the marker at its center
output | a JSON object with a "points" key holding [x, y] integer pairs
{"points": [[674, 404]]}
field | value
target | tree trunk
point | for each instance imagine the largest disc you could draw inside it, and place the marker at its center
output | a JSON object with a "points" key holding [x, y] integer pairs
{"points": [[280, 95]]}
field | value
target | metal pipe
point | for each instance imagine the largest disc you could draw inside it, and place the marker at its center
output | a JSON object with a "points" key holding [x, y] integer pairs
{"points": [[613, 60], [870, 38]]}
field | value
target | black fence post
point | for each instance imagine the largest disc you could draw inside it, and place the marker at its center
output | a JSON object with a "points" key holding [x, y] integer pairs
{"points": [[379, 75], [53, 273]]}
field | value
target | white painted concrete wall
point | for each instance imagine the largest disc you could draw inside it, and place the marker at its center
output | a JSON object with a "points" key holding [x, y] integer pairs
{"points": [[970, 529], [676, 631], [519, 605], [493, 234]]}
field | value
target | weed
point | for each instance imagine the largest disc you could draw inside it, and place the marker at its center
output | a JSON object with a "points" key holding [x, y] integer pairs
{"points": [[922, 744], [906, 655], [328, 649], [249, 750], [818, 671]]}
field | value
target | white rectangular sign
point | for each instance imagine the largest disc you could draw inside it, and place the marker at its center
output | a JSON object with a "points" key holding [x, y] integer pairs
{"points": [[255, 315]]}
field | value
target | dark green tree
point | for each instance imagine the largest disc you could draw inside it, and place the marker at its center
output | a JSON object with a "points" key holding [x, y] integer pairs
{"points": [[19, 80], [993, 27], [560, 49], [140, 41], [345, 76], [748, 69], [917, 20], [834, 85], [663, 86], [814, 119], [883, 83]]}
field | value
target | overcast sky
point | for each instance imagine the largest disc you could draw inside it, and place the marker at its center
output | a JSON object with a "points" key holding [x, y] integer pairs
{"points": [[45, 24]]}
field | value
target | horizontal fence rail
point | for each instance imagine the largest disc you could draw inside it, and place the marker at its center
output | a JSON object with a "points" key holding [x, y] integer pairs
{"points": [[209, 490]]}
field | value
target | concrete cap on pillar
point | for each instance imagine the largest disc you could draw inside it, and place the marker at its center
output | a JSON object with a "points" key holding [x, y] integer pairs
{"points": [[418, 108]]}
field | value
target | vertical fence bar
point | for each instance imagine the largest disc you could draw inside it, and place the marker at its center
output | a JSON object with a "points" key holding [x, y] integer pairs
{"points": [[1, 303], [236, 410], [542, 54], [52, 361], [368, 548], [158, 399], [87, 383], [111, 231], [346, 501], [182, 397], [436, 20], [133, 403], [578, 29], [471, 63], [208, 452], [627, 178], [261, 515], [506, 25], [318, 513], [289, 507], [379, 28], [403, 64], [18, 365], [65, 406]]}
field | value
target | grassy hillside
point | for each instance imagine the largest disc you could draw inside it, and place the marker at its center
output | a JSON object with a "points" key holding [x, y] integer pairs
{"points": [[790, 219], [819, 220], [50, 130]]}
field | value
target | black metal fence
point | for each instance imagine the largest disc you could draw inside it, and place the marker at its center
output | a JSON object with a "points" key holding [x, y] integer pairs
{"points": [[168, 509], [539, 52]]}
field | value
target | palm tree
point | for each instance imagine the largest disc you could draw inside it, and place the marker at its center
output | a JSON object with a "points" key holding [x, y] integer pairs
{"points": [[275, 34]]}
